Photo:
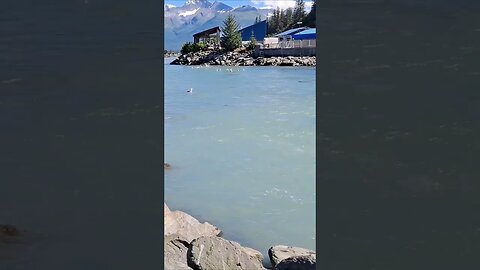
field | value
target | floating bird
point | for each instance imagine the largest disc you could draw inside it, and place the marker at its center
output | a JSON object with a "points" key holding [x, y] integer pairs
{"points": [[190, 91]]}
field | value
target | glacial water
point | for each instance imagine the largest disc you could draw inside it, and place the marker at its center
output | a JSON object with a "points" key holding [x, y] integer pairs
{"points": [[242, 150]]}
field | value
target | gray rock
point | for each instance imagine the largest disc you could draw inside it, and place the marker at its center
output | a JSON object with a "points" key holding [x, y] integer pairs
{"points": [[175, 253], [180, 223], [166, 210], [307, 262], [241, 58], [207, 253], [280, 253]]}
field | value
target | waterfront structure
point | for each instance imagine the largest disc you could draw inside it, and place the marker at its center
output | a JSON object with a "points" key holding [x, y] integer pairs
{"points": [[211, 37], [294, 42], [258, 30], [307, 34], [287, 35]]}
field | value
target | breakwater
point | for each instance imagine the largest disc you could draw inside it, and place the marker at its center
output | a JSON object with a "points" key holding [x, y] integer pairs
{"points": [[241, 58]]}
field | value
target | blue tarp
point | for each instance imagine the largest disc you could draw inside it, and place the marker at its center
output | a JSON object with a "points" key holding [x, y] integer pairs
{"points": [[306, 34]]}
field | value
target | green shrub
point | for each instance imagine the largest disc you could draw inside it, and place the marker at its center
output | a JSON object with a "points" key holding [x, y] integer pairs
{"points": [[252, 44], [192, 47]]}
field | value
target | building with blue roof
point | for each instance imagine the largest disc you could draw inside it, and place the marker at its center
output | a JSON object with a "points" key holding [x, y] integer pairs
{"points": [[310, 33], [291, 32], [259, 30]]}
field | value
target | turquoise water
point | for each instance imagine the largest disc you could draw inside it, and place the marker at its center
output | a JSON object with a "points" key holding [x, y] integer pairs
{"points": [[242, 150]]}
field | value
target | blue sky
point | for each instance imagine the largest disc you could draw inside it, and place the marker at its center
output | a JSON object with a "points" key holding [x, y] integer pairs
{"points": [[255, 3]]}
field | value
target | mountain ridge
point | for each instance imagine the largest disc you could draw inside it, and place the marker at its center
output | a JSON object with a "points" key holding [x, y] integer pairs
{"points": [[181, 22]]}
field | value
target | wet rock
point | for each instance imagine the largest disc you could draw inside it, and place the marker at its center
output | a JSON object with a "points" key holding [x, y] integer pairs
{"points": [[307, 262], [180, 223], [206, 253], [280, 253], [175, 253], [7, 230]]}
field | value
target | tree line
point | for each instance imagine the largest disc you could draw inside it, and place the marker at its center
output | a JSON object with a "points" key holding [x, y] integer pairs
{"points": [[282, 20]]}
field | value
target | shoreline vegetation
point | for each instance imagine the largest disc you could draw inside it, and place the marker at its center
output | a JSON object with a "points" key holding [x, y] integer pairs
{"points": [[240, 58], [189, 244]]}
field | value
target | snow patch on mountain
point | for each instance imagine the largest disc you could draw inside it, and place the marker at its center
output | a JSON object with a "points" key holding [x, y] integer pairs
{"points": [[188, 12]]}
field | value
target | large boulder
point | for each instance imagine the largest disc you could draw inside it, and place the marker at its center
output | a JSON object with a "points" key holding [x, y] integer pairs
{"points": [[280, 253], [175, 253], [180, 223], [207, 253], [306, 262]]}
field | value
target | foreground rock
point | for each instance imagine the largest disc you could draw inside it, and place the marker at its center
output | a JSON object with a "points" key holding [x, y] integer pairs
{"points": [[285, 257], [241, 59], [175, 253], [186, 226], [307, 262], [207, 253]]}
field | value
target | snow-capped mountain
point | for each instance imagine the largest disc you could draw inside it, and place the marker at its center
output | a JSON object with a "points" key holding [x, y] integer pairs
{"points": [[220, 7], [181, 22], [245, 8]]}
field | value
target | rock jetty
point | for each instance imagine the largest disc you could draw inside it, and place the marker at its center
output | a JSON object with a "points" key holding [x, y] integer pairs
{"points": [[171, 54], [241, 59], [190, 244]]}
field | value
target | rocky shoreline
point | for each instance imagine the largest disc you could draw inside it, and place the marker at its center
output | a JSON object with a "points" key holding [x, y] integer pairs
{"points": [[241, 59], [171, 54], [189, 244]]}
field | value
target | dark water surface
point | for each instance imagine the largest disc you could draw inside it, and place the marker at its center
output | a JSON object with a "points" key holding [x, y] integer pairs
{"points": [[80, 134], [399, 144]]}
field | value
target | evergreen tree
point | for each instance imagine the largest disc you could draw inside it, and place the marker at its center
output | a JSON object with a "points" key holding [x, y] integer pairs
{"points": [[281, 20], [253, 42], [310, 19], [288, 17], [231, 38], [299, 11]]}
